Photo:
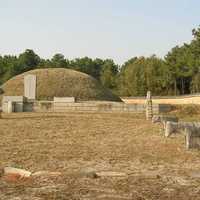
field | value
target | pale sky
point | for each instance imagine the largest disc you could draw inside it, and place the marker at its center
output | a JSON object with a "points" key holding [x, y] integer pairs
{"points": [[116, 29]]}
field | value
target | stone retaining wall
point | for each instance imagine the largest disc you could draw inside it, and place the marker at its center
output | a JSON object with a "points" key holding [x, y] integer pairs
{"points": [[50, 106]]}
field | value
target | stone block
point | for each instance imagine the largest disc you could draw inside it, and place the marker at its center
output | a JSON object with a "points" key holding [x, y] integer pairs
{"points": [[18, 107], [13, 98], [28, 107], [30, 86], [17, 104], [10, 107], [11, 174], [111, 174], [12, 170], [64, 99]]}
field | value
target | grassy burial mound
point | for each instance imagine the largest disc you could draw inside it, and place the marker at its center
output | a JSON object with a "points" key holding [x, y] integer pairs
{"points": [[59, 82]]}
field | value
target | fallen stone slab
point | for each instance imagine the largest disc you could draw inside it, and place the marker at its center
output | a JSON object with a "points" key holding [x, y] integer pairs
{"points": [[12, 170], [92, 173], [107, 197], [89, 173], [45, 173], [111, 174], [11, 174], [177, 180]]}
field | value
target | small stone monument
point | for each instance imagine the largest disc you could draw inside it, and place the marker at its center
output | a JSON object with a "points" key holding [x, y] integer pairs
{"points": [[30, 86], [149, 106]]}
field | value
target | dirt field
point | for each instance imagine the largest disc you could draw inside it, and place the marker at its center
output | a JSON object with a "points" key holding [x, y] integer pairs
{"points": [[155, 167]]}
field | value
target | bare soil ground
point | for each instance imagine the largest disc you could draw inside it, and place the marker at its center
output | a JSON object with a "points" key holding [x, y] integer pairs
{"points": [[155, 167]]}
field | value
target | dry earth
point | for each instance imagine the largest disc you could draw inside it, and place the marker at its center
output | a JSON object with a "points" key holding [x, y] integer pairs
{"points": [[155, 167]]}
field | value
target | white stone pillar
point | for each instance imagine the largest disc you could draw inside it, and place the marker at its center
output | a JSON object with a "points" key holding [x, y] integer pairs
{"points": [[30, 86], [149, 106], [10, 107]]}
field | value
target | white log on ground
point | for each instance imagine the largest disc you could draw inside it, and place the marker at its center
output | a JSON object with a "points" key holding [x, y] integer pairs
{"points": [[15, 171]]}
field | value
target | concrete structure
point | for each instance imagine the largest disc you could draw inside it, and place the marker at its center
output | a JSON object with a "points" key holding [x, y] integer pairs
{"points": [[21, 104], [64, 99], [30, 86], [17, 103], [51, 106]]}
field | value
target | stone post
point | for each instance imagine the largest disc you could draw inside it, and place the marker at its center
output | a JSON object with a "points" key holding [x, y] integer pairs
{"points": [[10, 107], [149, 106]]}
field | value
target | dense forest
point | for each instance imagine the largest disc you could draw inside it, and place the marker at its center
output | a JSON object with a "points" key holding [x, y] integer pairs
{"points": [[177, 73]]}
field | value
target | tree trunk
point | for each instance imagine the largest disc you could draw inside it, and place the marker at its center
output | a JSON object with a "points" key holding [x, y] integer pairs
{"points": [[175, 88], [182, 85]]}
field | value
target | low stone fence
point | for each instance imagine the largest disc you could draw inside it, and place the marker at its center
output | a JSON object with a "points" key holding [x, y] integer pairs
{"points": [[51, 106]]}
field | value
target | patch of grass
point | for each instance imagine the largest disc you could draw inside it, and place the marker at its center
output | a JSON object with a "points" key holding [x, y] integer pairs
{"points": [[187, 112]]}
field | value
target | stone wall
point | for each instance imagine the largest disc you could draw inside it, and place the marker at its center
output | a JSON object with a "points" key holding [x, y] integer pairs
{"points": [[50, 106]]}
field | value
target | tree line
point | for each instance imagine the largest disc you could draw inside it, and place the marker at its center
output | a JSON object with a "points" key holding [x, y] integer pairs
{"points": [[175, 74]]}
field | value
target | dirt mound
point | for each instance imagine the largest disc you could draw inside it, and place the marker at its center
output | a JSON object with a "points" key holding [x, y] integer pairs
{"points": [[59, 82]]}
